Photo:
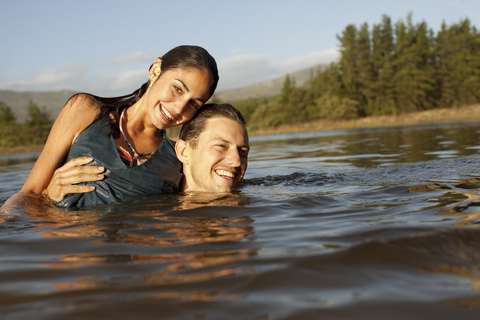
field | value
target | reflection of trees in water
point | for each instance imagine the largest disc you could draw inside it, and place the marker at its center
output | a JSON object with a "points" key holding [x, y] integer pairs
{"points": [[164, 270], [168, 246], [466, 203], [194, 200], [465, 209], [464, 197], [177, 231], [466, 266], [32, 209]]}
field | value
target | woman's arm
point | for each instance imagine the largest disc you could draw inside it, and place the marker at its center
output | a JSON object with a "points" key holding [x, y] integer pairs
{"points": [[49, 174]]}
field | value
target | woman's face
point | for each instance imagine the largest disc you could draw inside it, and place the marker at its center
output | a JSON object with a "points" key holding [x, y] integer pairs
{"points": [[176, 95]]}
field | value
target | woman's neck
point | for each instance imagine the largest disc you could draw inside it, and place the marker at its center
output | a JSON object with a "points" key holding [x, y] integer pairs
{"points": [[139, 130]]}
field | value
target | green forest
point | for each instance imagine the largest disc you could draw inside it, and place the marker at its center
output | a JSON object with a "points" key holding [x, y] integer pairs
{"points": [[33, 131], [385, 69]]}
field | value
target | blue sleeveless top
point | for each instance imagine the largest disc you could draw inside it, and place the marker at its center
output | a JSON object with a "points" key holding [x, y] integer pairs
{"points": [[161, 173]]}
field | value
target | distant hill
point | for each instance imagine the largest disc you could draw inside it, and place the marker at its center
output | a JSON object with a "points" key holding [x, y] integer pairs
{"points": [[53, 101], [267, 88]]}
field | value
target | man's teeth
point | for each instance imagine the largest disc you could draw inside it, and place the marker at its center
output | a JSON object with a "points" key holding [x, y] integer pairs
{"points": [[226, 174], [167, 114]]}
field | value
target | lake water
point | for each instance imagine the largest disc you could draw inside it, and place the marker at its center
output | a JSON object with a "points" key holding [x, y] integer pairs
{"points": [[346, 224]]}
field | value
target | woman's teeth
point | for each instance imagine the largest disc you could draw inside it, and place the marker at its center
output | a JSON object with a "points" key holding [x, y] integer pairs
{"points": [[167, 114]]}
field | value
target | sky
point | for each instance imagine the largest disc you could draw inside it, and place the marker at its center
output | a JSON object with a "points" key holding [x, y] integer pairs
{"points": [[105, 47]]}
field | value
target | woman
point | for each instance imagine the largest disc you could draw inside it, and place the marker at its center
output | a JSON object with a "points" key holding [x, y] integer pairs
{"points": [[123, 139]]}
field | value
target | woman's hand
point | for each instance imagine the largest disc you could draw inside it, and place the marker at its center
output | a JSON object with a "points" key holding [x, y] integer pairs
{"points": [[66, 178]]}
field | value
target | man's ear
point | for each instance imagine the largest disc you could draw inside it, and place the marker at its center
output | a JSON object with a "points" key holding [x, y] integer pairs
{"points": [[155, 70], [182, 151]]}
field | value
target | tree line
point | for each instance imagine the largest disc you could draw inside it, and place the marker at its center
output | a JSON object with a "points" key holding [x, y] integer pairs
{"points": [[32, 132], [388, 69]]}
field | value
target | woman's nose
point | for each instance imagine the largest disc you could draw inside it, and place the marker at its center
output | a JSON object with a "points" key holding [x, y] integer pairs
{"points": [[181, 105]]}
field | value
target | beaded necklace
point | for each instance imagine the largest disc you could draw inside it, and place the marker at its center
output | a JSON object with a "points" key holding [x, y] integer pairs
{"points": [[125, 155]]}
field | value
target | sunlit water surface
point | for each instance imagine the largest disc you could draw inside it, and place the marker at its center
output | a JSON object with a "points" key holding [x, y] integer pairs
{"points": [[347, 224]]}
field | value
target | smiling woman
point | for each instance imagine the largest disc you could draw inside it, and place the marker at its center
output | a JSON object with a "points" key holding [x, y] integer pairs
{"points": [[101, 150]]}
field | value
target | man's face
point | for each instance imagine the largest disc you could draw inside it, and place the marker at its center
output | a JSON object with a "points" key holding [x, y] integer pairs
{"points": [[219, 161]]}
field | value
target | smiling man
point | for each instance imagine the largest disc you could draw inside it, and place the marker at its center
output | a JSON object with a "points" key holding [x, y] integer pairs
{"points": [[213, 147]]}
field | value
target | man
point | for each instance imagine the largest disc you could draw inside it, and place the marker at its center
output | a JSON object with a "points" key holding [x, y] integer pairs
{"points": [[213, 147]]}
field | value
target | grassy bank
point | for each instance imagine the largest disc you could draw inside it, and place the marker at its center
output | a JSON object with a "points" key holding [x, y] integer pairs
{"points": [[462, 114], [21, 149]]}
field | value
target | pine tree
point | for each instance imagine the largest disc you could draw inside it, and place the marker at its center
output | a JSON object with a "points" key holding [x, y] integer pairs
{"points": [[38, 124], [458, 64], [383, 56], [37, 116], [365, 69], [7, 117], [414, 74], [349, 64], [447, 93], [286, 90]]}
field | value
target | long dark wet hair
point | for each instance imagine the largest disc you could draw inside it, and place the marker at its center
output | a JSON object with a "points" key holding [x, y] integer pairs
{"points": [[181, 57]]}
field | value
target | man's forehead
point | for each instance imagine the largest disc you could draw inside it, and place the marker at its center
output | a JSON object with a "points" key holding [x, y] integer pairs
{"points": [[225, 129]]}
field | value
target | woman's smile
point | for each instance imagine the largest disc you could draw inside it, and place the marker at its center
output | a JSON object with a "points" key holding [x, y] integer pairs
{"points": [[167, 115]]}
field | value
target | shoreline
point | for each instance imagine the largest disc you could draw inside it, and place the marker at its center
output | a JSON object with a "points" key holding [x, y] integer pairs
{"points": [[469, 113], [20, 149]]}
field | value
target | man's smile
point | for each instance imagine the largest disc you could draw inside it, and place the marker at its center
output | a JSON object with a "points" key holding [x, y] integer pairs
{"points": [[226, 174]]}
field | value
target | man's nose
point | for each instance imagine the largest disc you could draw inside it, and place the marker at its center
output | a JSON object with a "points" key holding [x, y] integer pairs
{"points": [[233, 158]]}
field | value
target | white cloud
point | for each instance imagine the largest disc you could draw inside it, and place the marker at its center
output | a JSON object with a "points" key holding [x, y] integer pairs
{"points": [[129, 81], [309, 60], [76, 77], [235, 72], [53, 79], [244, 70]]}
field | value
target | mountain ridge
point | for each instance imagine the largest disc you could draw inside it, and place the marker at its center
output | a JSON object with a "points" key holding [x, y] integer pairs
{"points": [[53, 101]]}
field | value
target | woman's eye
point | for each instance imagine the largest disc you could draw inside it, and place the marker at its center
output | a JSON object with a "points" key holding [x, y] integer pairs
{"points": [[195, 105], [177, 89]]}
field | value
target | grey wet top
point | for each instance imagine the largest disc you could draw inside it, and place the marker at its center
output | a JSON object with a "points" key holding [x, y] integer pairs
{"points": [[161, 173]]}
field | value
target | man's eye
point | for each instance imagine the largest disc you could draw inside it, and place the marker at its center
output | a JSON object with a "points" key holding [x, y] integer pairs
{"points": [[244, 151]]}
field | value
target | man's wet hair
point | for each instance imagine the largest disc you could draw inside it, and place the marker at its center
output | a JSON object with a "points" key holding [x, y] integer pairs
{"points": [[192, 129]]}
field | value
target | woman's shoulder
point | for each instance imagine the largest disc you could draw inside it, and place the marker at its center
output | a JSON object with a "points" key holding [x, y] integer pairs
{"points": [[79, 112], [84, 102]]}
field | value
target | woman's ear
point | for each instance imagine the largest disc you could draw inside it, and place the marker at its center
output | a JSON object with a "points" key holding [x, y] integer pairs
{"points": [[155, 70], [182, 150]]}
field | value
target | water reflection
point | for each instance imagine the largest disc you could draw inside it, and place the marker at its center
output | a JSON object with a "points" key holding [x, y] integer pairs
{"points": [[462, 260], [461, 249], [158, 247], [466, 200], [14, 159], [369, 147], [324, 224], [159, 270], [192, 200]]}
